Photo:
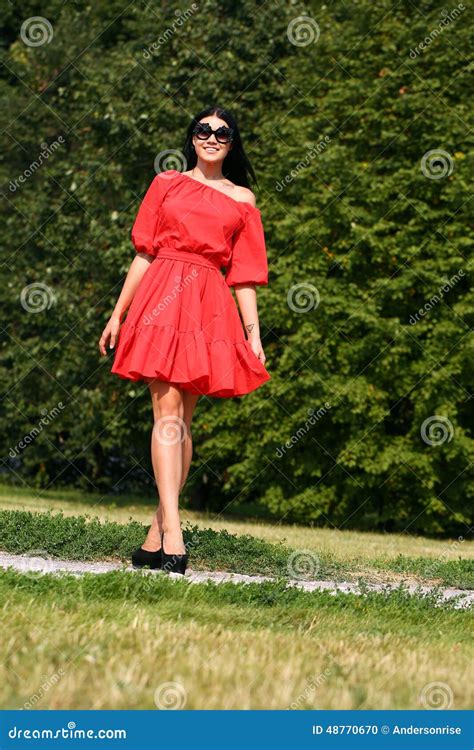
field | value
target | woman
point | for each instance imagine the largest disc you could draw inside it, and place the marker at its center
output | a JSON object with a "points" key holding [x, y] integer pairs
{"points": [[183, 334]]}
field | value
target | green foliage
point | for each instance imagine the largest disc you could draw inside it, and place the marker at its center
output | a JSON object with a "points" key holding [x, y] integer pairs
{"points": [[361, 222]]}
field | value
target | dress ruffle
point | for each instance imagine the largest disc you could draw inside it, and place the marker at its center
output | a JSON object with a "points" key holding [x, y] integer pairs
{"points": [[215, 368], [184, 328]]}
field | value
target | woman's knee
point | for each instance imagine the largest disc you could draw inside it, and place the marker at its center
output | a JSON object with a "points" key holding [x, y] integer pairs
{"points": [[171, 408], [167, 401]]}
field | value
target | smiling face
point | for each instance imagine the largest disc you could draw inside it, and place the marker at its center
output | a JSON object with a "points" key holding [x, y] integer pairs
{"points": [[210, 150]]}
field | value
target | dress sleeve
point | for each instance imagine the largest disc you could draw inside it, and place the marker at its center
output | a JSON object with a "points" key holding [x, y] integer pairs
{"points": [[248, 262], [144, 227]]}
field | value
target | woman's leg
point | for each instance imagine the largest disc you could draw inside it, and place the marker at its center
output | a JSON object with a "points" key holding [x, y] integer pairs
{"points": [[173, 410], [153, 540], [190, 400]]}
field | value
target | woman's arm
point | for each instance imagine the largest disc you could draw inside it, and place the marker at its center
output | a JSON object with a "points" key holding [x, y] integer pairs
{"points": [[135, 273], [246, 295]]}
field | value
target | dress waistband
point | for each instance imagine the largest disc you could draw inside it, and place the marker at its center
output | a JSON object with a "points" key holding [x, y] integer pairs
{"points": [[188, 255]]}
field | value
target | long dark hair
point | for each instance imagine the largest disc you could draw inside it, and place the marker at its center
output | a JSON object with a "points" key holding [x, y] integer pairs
{"points": [[236, 166]]}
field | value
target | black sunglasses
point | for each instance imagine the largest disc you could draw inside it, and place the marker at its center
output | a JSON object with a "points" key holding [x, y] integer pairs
{"points": [[223, 134]]}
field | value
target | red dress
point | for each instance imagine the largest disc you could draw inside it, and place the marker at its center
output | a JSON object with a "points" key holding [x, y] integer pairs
{"points": [[183, 325]]}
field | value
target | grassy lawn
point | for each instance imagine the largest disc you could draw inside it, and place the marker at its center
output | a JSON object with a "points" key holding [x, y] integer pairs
{"points": [[114, 641], [260, 547], [111, 641]]}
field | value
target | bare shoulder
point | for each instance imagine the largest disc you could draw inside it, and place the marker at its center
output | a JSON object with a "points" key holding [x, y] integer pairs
{"points": [[245, 194], [167, 174]]}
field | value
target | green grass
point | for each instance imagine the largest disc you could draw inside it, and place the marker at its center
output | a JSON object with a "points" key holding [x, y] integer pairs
{"points": [[85, 538], [458, 573], [267, 604], [115, 638], [81, 539], [110, 641], [370, 555]]}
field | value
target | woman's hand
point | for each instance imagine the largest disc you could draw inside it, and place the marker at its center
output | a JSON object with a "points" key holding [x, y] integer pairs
{"points": [[257, 349], [139, 265], [110, 332], [247, 298]]}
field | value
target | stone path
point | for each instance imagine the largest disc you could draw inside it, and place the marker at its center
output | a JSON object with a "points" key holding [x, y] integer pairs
{"points": [[43, 564]]}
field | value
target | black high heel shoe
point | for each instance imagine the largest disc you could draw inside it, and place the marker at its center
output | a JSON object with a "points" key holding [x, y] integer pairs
{"points": [[173, 563], [142, 557]]}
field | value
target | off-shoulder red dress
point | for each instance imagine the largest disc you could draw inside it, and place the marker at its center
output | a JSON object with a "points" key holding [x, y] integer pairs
{"points": [[183, 325]]}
